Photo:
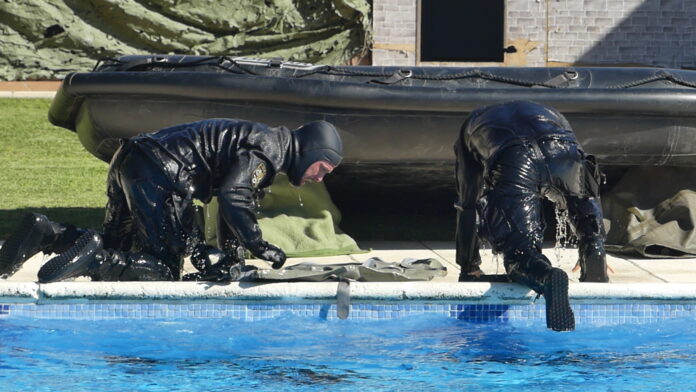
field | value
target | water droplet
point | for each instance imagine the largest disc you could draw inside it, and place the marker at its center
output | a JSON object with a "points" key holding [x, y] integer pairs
{"points": [[299, 196], [565, 235]]}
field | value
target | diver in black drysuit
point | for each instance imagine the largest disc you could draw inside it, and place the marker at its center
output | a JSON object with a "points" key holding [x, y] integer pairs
{"points": [[153, 179], [509, 157]]}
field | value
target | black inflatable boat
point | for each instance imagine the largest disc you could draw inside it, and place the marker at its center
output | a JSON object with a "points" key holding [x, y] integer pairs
{"points": [[398, 124]]}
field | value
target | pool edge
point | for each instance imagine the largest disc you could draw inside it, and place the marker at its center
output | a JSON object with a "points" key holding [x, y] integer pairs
{"points": [[481, 293]]}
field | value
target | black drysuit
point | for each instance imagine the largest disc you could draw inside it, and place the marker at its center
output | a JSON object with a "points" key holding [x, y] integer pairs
{"points": [[154, 178], [510, 156]]}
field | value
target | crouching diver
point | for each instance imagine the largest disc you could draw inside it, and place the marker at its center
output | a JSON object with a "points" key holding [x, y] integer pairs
{"points": [[509, 157], [153, 179]]}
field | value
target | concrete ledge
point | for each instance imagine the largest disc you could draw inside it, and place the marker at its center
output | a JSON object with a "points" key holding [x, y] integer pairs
{"points": [[18, 292], [186, 291], [632, 292], [284, 292], [485, 293]]}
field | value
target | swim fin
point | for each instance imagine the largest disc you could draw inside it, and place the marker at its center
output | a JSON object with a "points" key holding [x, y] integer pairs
{"points": [[559, 314], [76, 261], [26, 241]]}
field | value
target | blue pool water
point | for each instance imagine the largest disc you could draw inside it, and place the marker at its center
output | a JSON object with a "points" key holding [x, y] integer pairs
{"points": [[291, 352]]}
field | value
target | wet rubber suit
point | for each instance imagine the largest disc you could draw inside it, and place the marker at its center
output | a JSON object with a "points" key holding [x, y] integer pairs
{"points": [[153, 179], [509, 157]]}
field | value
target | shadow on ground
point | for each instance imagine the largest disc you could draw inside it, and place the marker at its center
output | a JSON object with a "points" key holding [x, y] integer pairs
{"points": [[78, 216]]}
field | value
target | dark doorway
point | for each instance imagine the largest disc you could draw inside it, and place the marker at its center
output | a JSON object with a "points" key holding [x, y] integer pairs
{"points": [[462, 30]]}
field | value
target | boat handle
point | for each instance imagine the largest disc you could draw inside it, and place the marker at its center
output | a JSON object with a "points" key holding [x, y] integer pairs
{"points": [[571, 74]]}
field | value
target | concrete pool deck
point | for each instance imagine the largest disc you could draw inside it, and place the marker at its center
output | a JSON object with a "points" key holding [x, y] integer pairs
{"points": [[633, 280], [626, 270]]}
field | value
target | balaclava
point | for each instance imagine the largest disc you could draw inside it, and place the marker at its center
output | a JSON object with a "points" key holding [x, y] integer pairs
{"points": [[312, 142]]}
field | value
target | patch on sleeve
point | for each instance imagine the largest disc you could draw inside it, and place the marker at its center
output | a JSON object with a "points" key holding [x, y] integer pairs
{"points": [[258, 175]]}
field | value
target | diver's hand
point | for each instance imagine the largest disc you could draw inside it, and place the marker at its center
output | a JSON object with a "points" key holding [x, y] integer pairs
{"points": [[264, 250]]}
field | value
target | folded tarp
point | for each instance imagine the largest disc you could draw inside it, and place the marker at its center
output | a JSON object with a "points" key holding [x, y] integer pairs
{"points": [[372, 270], [651, 212]]}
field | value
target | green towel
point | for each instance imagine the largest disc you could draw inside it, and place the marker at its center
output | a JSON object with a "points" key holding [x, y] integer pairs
{"points": [[302, 221]]}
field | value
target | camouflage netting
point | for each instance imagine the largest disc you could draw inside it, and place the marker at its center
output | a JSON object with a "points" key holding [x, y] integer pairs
{"points": [[46, 39]]}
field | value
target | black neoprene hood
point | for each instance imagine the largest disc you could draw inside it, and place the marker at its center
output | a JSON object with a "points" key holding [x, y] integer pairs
{"points": [[312, 142]]}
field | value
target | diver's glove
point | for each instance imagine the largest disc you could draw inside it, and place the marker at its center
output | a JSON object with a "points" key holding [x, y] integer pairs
{"points": [[242, 223], [264, 250]]}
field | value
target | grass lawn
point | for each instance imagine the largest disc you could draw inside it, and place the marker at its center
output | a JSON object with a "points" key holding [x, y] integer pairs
{"points": [[44, 168]]}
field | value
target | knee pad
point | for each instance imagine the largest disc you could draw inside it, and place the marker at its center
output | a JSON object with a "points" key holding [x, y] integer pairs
{"points": [[142, 266], [127, 266]]}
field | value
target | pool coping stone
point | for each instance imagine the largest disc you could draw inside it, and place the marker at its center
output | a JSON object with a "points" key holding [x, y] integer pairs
{"points": [[312, 292]]}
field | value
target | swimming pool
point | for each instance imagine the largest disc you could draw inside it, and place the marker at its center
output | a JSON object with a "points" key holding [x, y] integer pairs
{"points": [[195, 336], [391, 346]]}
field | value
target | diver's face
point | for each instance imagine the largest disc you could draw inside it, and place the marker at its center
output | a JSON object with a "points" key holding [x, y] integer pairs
{"points": [[316, 172]]}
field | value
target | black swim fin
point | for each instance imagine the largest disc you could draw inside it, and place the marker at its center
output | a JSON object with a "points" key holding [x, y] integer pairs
{"points": [[559, 314], [25, 242], [76, 261]]}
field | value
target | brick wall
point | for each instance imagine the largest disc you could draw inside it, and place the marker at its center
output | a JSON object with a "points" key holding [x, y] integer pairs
{"points": [[641, 32], [525, 25], [646, 32], [394, 32]]}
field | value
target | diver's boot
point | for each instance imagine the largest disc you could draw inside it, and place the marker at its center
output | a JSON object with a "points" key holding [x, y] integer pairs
{"points": [[76, 261], [534, 270], [528, 267], [559, 315], [586, 214], [593, 262], [36, 233]]}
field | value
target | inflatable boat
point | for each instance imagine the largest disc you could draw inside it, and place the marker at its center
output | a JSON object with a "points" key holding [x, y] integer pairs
{"points": [[398, 123]]}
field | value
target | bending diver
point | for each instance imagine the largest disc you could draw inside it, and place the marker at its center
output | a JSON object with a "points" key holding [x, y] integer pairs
{"points": [[153, 179], [509, 157]]}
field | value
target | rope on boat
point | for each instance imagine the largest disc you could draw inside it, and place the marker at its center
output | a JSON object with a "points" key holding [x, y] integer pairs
{"points": [[229, 64], [658, 76], [476, 73], [161, 62]]}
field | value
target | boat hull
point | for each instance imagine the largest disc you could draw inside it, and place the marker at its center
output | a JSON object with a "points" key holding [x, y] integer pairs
{"points": [[398, 131]]}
